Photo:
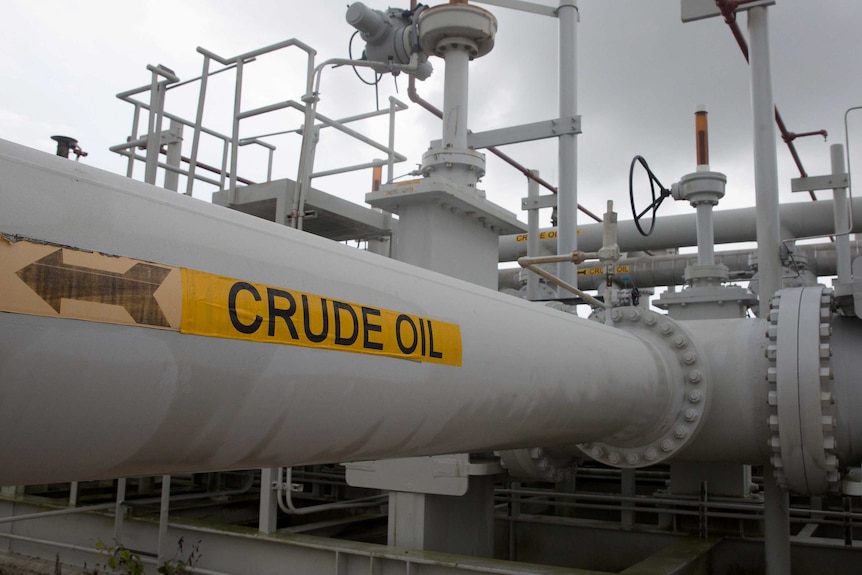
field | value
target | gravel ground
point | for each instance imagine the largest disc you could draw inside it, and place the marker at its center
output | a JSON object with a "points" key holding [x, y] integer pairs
{"points": [[18, 565]]}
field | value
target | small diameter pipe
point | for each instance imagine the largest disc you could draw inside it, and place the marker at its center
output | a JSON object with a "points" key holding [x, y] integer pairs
{"points": [[533, 267], [574, 257], [285, 500], [58, 512]]}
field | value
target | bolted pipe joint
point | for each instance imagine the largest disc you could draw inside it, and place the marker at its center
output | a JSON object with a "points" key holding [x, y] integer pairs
{"points": [[658, 434]]}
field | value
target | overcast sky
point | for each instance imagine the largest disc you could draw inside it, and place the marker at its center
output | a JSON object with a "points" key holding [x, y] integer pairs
{"points": [[641, 74]]}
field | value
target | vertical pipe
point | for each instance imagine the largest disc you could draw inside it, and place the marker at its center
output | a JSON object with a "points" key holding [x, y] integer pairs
{"points": [[390, 158], [164, 511], [130, 168], [269, 165], [153, 129], [765, 158], [268, 515], [532, 236], [199, 118], [842, 216], [119, 511], [225, 150], [174, 158], [310, 134], [73, 494], [455, 99], [567, 198], [234, 139], [705, 235], [627, 489], [777, 506]]}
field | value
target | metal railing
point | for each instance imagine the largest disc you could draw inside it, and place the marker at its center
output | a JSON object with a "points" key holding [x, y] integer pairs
{"points": [[157, 141], [513, 501]]}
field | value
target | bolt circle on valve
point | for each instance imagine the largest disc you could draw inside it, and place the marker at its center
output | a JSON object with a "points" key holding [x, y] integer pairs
{"points": [[689, 393]]}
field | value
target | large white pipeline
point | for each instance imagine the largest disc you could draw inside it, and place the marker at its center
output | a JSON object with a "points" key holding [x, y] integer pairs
{"points": [[91, 398], [82, 399]]}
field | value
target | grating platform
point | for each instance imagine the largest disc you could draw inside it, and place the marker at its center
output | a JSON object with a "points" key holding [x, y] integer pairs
{"points": [[327, 215]]}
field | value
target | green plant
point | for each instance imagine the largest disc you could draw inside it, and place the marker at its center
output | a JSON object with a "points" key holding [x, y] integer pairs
{"points": [[181, 566], [120, 559]]}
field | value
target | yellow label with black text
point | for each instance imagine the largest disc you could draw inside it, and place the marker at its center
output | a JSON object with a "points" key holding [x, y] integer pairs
{"points": [[44, 279], [219, 306]]}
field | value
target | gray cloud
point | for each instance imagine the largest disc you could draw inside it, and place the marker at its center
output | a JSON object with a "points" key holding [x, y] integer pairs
{"points": [[641, 72]]}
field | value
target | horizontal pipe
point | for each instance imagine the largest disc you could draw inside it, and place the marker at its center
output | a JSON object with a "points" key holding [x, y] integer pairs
{"points": [[85, 400], [669, 270], [258, 52], [800, 220]]}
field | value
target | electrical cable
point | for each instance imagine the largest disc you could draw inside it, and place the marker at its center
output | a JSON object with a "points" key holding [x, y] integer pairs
{"points": [[377, 75], [656, 201]]}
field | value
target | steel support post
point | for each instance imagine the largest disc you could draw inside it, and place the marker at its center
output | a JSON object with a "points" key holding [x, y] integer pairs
{"points": [[567, 200], [268, 517], [533, 236], [119, 510], [765, 158], [174, 159], [842, 216], [627, 489], [777, 520], [154, 129], [234, 138], [164, 513], [199, 118]]}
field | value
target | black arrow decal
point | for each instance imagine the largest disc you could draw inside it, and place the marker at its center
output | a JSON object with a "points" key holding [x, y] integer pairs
{"points": [[53, 281]]}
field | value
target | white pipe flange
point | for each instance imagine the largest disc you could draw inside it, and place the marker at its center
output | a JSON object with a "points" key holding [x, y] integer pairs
{"points": [[471, 27], [802, 419], [688, 392]]}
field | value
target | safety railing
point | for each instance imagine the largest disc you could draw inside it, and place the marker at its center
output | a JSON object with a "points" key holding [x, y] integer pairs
{"points": [[516, 502], [155, 141]]}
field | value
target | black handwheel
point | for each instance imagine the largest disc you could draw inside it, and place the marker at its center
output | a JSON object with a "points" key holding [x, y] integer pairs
{"points": [[656, 201]]}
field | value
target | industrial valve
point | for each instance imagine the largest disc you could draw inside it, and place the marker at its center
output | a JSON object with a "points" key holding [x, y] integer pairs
{"points": [[391, 37]]}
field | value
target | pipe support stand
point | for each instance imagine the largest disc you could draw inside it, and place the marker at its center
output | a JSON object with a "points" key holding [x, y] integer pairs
{"points": [[688, 392]]}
